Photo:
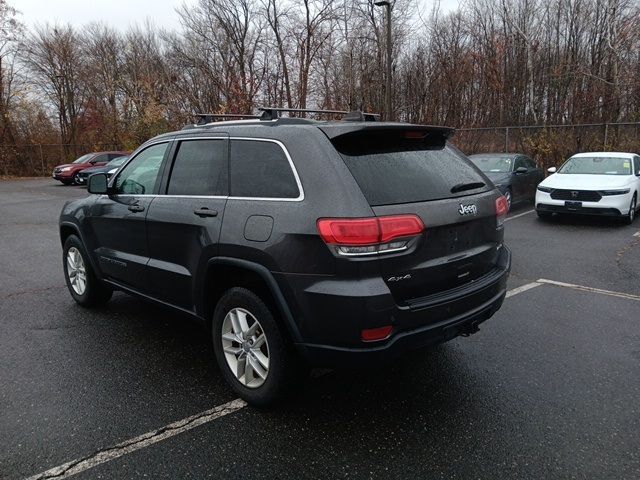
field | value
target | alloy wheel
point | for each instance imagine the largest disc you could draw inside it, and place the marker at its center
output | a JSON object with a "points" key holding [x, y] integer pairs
{"points": [[245, 347], [76, 271]]}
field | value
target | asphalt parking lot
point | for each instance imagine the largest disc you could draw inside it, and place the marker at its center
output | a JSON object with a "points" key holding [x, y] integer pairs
{"points": [[549, 388]]}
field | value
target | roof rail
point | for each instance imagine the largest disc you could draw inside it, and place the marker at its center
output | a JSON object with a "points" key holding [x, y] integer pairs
{"points": [[204, 118]]}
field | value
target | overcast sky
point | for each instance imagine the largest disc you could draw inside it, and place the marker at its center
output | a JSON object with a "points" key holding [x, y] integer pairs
{"points": [[118, 13]]}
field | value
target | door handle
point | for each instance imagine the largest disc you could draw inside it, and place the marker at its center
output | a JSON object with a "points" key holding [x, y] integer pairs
{"points": [[136, 208], [205, 212]]}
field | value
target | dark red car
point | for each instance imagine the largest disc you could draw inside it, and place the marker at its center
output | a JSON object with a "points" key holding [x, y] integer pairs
{"points": [[67, 173]]}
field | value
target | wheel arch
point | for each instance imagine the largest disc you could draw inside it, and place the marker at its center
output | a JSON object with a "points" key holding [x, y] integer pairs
{"points": [[242, 273]]}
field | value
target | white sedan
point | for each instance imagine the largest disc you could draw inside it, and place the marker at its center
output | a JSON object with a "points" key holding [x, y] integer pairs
{"points": [[597, 183]]}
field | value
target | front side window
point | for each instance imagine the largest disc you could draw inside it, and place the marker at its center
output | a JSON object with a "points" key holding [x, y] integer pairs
{"points": [[597, 166], [261, 170], [140, 175], [84, 158], [199, 168]]}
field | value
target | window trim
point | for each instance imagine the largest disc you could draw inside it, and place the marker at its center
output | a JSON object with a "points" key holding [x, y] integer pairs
{"points": [[299, 198]]}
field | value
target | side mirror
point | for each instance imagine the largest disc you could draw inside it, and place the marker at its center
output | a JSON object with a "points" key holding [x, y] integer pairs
{"points": [[551, 169], [521, 170], [98, 183]]}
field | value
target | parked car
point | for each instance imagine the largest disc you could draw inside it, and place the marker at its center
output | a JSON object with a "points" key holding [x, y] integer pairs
{"points": [[109, 169], [67, 173], [516, 175], [296, 242], [593, 183]]}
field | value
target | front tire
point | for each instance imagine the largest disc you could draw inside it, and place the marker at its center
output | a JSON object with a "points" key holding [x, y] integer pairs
{"points": [[85, 288], [630, 217], [509, 196], [254, 355]]}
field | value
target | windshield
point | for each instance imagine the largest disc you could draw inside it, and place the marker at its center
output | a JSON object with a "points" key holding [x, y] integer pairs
{"points": [[116, 162], [84, 158], [492, 164], [597, 166]]}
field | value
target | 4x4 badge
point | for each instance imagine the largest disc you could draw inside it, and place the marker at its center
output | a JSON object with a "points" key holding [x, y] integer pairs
{"points": [[469, 209]]}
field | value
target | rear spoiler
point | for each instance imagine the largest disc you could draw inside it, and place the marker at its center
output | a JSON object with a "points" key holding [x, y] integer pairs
{"points": [[335, 130], [378, 137]]}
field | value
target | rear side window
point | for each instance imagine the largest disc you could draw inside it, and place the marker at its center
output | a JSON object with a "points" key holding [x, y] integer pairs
{"points": [[261, 169], [391, 169], [199, 168]]}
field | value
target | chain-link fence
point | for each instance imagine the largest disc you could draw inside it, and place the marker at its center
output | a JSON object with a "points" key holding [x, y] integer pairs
{"points": [[550, 145], [39, 160]]}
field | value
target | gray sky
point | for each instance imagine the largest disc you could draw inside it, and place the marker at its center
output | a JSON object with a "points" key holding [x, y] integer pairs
{"points": [[119, 13]]}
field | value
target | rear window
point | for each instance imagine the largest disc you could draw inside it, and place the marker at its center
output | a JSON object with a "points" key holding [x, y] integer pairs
{"points": [[260, 169], [391, 169], [200, 168]]}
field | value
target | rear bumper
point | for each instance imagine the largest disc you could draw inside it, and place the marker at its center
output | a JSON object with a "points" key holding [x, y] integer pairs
{"points": [[339, 317]]}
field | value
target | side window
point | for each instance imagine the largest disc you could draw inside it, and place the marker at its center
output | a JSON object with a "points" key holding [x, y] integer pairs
{"points": [[140, 175], [113, 155], [100, 158], [199, 168], [519, 163], [261, 169], [529, 163], [636, 163]]}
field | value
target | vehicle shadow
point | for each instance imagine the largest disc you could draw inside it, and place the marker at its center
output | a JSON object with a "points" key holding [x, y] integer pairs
{"points": [[586, 221]]}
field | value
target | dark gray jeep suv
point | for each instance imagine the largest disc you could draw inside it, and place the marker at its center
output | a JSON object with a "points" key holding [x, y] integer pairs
{"points": [[296, 242]]}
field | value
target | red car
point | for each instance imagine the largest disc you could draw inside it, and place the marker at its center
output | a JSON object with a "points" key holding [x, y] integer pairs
{"points": [[67, 173]]}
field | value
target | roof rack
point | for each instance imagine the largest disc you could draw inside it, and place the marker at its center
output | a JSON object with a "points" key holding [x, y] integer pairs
{"points": [[273, 113], [204, 118]]}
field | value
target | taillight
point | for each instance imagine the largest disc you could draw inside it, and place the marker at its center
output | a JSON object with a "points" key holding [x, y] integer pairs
{"points": [[502, 208], [370, 236]]}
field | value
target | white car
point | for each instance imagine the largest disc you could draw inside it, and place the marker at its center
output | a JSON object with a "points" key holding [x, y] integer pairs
{"points": [[595, 183]]}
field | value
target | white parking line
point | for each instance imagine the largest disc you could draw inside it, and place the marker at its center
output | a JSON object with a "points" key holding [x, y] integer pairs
{"points": [[523, 288], [146, 439], [80, 465], [519, 215], [573, 286]]}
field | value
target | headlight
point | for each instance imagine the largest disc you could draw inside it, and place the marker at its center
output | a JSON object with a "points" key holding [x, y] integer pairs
{"points": [[620, 191], [544, 189], [65, 169]]}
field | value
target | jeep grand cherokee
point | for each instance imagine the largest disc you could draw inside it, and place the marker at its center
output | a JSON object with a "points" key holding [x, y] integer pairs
{"points": [[296, 242]]}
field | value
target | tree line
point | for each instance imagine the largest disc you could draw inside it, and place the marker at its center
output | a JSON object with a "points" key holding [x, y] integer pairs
{"points": [[487, 63]]}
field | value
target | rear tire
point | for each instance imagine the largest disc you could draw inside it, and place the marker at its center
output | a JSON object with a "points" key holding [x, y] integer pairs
{"points": [[253, 353], [85, 288]]}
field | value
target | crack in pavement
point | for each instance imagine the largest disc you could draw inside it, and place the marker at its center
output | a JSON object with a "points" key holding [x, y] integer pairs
{"points": [[110, 453], [30, 291]]}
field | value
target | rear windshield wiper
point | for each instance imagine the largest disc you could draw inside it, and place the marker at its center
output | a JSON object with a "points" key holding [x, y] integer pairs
{"points": [[461, 187]]}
